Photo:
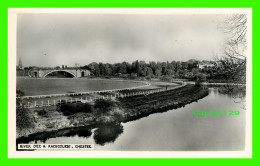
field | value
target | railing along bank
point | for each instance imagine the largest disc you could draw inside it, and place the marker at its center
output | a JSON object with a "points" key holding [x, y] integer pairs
{"points": [[93, 98]]}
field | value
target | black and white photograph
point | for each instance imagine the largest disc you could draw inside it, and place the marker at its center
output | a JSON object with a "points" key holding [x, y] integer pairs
{"points": [[130, 83]]}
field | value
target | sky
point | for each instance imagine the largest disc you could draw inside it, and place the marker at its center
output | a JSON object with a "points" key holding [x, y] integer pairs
{"points": [[49, 40]]}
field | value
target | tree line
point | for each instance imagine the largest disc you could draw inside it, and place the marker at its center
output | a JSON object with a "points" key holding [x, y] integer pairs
{"points": [[139, 68], [223, 70], [162, 70]]}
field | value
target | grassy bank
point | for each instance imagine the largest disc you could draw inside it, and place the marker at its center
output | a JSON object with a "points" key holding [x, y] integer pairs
{"points": [[141, 106], [132, 108], [52, 122]]}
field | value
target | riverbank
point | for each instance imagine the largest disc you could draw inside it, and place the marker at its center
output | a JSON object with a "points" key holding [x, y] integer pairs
{"points": [[141, 106], [52, 121]]}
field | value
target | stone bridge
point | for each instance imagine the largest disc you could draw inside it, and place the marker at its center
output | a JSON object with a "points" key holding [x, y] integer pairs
{"points": [[45, 72]]}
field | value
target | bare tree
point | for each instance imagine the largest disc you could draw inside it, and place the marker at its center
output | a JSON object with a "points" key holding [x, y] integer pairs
{"points": [[234, 60], [233, 63], [235, 27]]}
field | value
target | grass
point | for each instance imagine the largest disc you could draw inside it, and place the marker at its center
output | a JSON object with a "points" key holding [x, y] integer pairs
{"points": [[46, 86], [24, 121]]}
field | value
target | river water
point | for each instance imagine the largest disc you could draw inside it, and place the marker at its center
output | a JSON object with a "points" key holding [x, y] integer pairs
{"points": [[174, 130]]}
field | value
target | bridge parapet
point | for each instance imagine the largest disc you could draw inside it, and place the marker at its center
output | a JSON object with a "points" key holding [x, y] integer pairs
{"points": [[44, 72]]}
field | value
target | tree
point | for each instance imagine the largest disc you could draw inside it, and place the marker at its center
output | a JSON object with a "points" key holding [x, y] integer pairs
{"points": [[184, 65], [108, 69], [164, 68], [102, 69], [149, 72], [123, 68], [235, 28], [137, 68], [158, 73], [199, 78], [178, 65], [128, 68], [57, 67], [153, 66], [94, 67], [169, 72], [195, 71]]}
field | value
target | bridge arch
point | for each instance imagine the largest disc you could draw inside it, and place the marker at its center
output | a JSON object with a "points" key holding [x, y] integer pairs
{"points": [[49, 72]]}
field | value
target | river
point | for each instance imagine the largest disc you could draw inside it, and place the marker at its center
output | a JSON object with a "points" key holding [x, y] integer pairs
{"points": [[174, 130]]}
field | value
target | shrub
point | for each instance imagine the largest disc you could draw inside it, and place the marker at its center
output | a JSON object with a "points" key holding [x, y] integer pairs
{"points": [[69, 109], [199, 78], [24, 120], [148, 78], [19, 93], [42, 113], [104, 105]]}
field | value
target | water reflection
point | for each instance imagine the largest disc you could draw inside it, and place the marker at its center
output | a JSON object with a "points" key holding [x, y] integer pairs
{"points": [[104, 133], [45, 136], [107, 133], [233, 91], [237, 94]]}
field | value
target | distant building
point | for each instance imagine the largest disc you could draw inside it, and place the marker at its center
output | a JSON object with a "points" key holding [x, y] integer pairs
{"points": [[205, 65], [20, 65]]}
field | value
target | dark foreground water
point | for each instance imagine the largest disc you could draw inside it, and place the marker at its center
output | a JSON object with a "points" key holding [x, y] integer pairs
{"points": [[173, 130]]}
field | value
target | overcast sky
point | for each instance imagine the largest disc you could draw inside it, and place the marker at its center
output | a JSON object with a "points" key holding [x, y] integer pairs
{"points": [[66, 39]]}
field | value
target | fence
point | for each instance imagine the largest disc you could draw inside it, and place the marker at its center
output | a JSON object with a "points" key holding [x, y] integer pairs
{"points": [[90, 99]]}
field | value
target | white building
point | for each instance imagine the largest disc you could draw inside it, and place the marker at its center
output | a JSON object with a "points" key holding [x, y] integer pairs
{"points": [[204, 65]]}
